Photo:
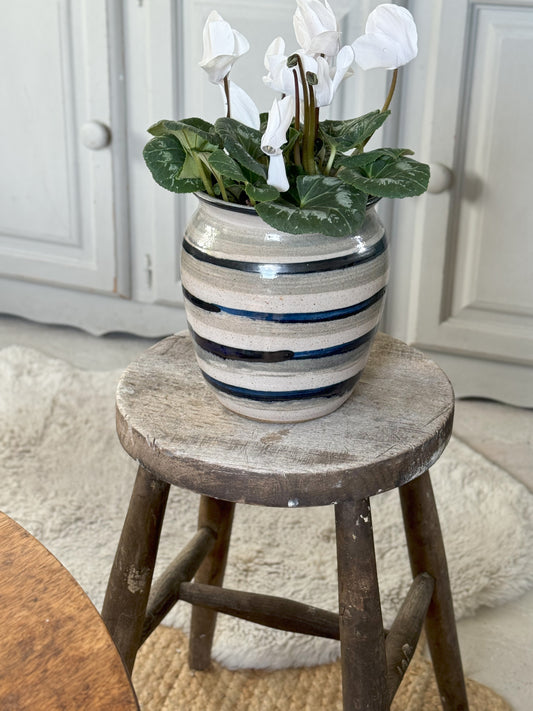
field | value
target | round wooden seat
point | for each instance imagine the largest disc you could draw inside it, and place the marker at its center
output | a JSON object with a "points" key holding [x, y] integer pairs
{"points": [[392, 429]]}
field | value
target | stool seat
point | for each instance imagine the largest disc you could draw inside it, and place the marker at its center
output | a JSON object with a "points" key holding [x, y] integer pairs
{"points": [[392, 429]]}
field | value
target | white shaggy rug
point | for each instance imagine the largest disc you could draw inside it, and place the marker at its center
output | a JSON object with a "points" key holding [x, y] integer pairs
{"points": [[65, 477]]}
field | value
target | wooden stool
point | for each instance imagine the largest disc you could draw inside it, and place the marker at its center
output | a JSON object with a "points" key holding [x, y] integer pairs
{"points": [[387, 435]]}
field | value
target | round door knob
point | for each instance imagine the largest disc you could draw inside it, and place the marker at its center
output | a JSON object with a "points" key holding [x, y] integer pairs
{"points": [[95, 135], [440, 178]]}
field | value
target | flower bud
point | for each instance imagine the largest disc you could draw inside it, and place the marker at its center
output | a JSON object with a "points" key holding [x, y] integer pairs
{"points": [[222, 47]]}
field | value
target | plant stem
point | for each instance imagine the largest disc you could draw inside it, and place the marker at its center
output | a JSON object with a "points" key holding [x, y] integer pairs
{"points": [[205, 180], [388, 100], [226, 91], [304, 86], [391, 91], [222, 187], [330, 160], [308, 167], [310, 131], [297, 155]]}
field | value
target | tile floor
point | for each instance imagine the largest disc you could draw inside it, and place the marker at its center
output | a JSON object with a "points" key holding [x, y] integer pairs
{"points": [[496, 644]]}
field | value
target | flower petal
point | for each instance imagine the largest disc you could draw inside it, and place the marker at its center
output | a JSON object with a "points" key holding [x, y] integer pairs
{"points": [[242, 107], [328, 78], [277, 173], [316, 27], [279, 120], [390, 40], [222, 47]]}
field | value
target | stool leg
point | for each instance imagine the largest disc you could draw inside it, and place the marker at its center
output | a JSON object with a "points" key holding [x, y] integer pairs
{"points": [[426, 552], [217, 515], [131, 575], [364, 669]]}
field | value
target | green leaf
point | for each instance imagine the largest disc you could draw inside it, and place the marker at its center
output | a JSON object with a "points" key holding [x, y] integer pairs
{"points": [[170, 166], [346, 135], [325, 205], [377, 157], [261, 192], [194, 134], [243, 143], [223, 164], [390, 175]]}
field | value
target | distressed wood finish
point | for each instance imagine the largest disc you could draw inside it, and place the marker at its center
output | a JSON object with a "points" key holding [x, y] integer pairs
{"points": [[426, 553], [56, 652], [269, 610], [166, 590], [395, 426], [363, 662], [218, 516], [405, 632], [389, 432], [129, 584]]}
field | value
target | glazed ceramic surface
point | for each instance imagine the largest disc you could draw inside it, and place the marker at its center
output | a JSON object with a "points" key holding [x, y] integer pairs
{"points": [[282, 324]]}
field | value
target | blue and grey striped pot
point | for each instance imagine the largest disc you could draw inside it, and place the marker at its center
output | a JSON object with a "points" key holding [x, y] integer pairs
{"points": [[282, 324]]}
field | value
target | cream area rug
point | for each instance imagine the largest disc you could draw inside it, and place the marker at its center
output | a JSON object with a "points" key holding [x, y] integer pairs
{"points": [[66, 479]]}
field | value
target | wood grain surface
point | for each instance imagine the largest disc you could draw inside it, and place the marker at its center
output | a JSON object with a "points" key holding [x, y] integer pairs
{"points": [[56, 653], [395, 426]]}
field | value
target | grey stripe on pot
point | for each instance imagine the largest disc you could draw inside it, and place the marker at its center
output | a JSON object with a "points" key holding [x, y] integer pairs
{"points": [[275, 379], [286, 293], [285, 318], [274, 268], [235, 331], [272, 368], [286, 411], [233, 241], [322, 391]]}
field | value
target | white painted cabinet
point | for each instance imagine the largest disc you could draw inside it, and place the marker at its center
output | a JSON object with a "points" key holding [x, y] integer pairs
{"points": [[86, 236], [88, 239], [462, 284]]}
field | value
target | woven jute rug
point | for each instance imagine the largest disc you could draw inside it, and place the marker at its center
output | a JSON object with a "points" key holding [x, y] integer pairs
{"points": [[164, 682]]}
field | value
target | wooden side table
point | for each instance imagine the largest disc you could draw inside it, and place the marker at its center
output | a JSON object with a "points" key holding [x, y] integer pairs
{"points": [[386, 436], [56, 652]]}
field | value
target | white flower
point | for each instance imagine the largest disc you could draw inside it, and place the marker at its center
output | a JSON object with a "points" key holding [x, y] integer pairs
{"points": [[390, 38], [242, 107], [280, 77], [316, 28], [279, 120], [277, 173], [222, 46], [275, 135], [328, 78]]}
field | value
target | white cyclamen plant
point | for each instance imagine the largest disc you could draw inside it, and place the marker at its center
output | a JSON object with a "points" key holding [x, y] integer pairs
{"points": [[299, 173]]}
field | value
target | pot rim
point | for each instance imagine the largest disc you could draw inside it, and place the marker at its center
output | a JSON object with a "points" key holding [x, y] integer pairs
{"points": [[249, 209]]}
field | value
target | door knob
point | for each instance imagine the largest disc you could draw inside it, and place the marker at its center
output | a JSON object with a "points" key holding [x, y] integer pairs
{"points": [[95, 135], [440, 179]]}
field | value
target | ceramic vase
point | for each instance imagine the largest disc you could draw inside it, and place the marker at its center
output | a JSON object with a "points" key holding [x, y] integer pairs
{"points": [[282, 324]]}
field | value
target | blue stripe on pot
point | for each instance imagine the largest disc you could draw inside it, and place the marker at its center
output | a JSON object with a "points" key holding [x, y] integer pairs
{"points": [[231, 353], [335, 390], [332, 315], [309, 267]]}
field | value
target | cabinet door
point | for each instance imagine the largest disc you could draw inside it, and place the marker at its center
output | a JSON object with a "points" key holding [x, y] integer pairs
{"points": [[57, 196], [463, 255]]}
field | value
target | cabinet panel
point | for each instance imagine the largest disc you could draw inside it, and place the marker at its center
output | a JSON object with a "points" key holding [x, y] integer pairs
{"points": [[494, 259], [56, 195], [462, 258]]}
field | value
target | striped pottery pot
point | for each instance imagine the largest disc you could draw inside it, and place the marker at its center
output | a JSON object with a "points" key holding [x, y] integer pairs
{"points": [[282, 324]]}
